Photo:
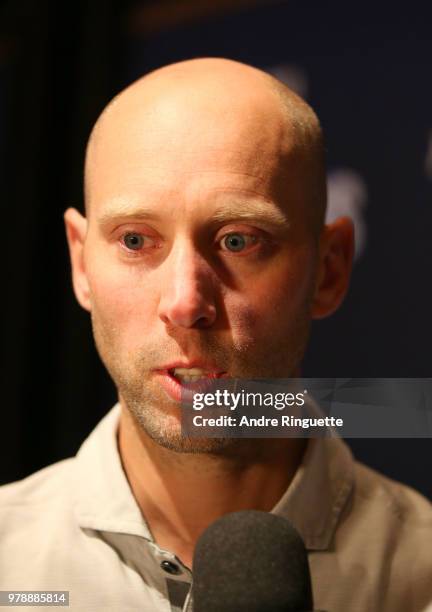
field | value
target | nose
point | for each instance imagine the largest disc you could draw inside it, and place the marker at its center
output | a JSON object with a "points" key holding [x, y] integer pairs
{"points": [[188, 292]]}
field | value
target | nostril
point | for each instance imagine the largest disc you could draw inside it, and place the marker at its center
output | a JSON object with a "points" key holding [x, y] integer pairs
{"points": [[188, 310]]}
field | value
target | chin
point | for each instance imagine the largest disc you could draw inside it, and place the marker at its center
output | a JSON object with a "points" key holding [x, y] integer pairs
{"points": [[164, 428], [180, 444], [170, 437]]}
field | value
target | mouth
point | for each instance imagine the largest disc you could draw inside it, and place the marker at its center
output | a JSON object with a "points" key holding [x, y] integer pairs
{"points": [[182, 382], [188, 376]]}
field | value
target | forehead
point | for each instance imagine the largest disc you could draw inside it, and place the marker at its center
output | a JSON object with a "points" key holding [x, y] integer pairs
{"points": [[187, 145]]}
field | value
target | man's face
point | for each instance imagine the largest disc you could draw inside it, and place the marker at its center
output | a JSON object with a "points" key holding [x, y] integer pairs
{"points": [[197, 251]]}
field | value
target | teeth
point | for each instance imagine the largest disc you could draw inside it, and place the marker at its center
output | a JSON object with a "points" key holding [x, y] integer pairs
{"points": [[189, 374], [189, 371], [187, 379]]}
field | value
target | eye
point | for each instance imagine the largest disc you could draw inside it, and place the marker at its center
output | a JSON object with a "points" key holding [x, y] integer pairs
{"points": [[133, 241], [237, 241]]}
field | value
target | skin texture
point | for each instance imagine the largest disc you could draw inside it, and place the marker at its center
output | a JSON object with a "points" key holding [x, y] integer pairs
{"points": [[179, 159]]}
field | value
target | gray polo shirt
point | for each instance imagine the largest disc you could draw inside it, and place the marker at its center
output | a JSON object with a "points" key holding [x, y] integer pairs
{"points": [[76, 526]]}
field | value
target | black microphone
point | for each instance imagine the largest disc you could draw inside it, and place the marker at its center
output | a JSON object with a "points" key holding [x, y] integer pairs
{"points": [[251, 561]]}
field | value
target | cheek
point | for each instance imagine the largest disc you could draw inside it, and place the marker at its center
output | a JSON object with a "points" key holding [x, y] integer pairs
{"points": [[277, 296], [121, 304]]}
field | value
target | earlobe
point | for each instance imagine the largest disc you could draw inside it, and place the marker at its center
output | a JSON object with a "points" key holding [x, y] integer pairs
{"points": [[76, 230], [334, 267]]}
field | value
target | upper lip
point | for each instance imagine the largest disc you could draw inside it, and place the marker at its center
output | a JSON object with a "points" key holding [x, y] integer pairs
{"points": [[191, 364]]}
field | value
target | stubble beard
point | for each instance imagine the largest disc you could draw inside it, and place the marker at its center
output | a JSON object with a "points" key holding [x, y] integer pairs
{"points": [[157, 416]]}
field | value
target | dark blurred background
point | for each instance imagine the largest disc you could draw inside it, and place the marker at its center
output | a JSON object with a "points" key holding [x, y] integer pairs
{"points": [[366, 71]]}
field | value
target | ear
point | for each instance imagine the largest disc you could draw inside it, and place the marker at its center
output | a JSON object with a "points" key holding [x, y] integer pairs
{"points": [[76, 230], [334, 267]]}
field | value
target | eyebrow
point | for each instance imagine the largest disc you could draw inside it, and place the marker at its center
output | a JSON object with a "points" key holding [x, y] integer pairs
{"points": [[259, 210]]}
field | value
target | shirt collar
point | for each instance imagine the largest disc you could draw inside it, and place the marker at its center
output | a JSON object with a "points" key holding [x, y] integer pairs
{"points": [[104, 499], [313, 502], [319, 491]]}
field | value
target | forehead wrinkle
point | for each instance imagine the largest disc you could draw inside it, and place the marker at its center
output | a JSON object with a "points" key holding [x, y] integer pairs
{"points": [[209, 75], [256, 210]]}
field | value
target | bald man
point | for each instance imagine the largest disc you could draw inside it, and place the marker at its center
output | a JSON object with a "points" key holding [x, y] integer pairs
{"points": [[203, 253]]}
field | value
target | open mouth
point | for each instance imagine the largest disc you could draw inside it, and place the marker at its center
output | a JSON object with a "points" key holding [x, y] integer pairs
{"points": [[182, 383], [194, 382], [191, 376]]}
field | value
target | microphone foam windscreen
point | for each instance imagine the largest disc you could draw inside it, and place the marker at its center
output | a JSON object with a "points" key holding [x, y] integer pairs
{"points": [[251, 561]]}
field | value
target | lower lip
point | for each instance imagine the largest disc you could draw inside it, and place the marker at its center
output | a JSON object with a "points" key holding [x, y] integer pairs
{"points": [[184, 392]]}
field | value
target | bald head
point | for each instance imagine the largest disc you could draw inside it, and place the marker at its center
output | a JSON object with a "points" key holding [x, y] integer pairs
{"points": [[197, 108]]}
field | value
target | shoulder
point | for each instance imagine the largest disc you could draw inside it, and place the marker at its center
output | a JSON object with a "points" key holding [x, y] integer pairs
{"points": [[37, 525], [389, 526], [380, 554], [40, 487], [42, 497], [382, 495]]}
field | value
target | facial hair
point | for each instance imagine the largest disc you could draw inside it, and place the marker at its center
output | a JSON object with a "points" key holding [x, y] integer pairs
{"points": [[159, 417]]}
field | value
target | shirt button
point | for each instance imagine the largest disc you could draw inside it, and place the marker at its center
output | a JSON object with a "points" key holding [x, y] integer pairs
{"points": [[170, 568]]}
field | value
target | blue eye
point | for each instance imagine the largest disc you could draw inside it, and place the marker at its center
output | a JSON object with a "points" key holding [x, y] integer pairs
{"points": [[133, 241], [236, 242]]}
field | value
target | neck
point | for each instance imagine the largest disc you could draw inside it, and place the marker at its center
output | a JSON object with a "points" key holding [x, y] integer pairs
{"points": [[180, 494]]}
